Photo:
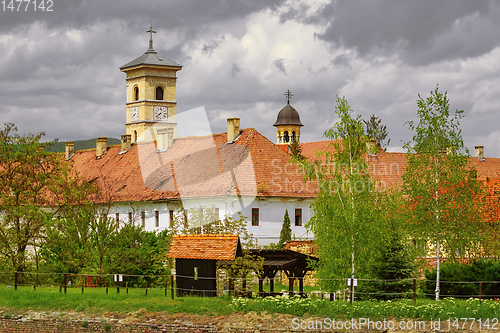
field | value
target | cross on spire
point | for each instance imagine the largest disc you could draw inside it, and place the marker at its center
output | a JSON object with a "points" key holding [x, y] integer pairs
{"points": [[151, 32], [288, 95]]}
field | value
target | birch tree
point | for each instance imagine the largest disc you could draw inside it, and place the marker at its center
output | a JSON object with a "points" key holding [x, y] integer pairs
{"points": [[346, 219], [443, 194]]}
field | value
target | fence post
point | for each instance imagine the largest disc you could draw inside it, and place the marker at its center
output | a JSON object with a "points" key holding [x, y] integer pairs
{"points": [[15, 280], [331, 296], [82, 287], [166, 285], [414, 290], [106, 285], [172, 286], [480, 289], [146, 288], [65, 282], [352, 290], [126, 286]]}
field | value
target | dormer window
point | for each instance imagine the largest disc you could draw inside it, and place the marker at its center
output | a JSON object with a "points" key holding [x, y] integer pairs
{"points": [[136, 93], [159, 94]]}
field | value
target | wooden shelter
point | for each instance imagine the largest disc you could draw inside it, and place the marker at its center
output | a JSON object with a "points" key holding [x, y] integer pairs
{"points": [[196, 258], [294, 264]]}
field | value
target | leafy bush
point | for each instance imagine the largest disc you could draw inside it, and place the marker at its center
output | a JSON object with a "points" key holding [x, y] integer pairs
{"points": [[451, 273]]}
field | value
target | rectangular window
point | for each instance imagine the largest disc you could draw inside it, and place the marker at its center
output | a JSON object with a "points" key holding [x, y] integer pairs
{"points": [[171, 215], [157, 219], [143, 219], [130, 217], [298, 216], [216, 214], [255, 216], [117, 220]]}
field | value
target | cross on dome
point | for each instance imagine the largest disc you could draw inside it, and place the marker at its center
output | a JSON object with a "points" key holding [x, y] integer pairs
{"points": [[288, 95]]}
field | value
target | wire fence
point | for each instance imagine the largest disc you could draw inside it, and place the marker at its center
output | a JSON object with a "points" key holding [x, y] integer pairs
{"points": [[222, 285]]}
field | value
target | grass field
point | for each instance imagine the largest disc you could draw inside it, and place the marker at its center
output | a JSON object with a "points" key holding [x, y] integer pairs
{"points": [[95, 300]]}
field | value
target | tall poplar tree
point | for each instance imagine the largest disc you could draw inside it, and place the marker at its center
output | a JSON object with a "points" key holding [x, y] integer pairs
{"points": [[444, 196], [346, 219]]}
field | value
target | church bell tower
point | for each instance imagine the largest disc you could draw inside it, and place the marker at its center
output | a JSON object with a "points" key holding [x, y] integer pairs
{"points": [[151, 102], [288, 123]]}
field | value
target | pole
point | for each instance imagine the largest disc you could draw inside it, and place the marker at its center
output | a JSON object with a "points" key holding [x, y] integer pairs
{"points": [[65, 282], [480, 289], [352, 290], [146, 288], [15, 280], [172, 287], [414, 290]]}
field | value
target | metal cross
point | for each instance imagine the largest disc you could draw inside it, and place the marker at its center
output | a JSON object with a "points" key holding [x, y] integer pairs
{"points": [[151, 31], [288, 95]]}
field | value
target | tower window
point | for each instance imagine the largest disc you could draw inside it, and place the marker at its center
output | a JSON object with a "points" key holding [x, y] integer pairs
{"points": [[136, 94], [293, 136], [159, 93], [286, 138]]}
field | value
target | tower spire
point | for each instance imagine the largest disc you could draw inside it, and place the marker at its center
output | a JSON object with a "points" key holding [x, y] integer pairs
{"points": [[151, 32]]}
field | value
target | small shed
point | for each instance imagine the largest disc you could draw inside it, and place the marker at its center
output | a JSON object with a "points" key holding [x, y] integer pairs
{"points": [[196, 259]]}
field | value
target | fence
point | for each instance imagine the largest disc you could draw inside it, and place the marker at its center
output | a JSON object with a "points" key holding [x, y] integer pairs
{"points": [[365, 289]]}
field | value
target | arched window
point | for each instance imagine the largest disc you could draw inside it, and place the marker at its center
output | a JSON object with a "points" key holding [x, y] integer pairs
{"points": [[293, 136], [159, 93], [135, 136], [136, 94], [286, 137]]}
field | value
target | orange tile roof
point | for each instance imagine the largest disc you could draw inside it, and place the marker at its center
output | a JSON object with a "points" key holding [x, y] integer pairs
{"points": [[208, 167], [208, 247], [194, 167]]}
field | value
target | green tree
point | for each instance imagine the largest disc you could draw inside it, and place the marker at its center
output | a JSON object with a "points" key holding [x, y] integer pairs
{"points": [[296, 150], [346, 218], [30, 179], [286, 231], [375, 130], [444, 196]]}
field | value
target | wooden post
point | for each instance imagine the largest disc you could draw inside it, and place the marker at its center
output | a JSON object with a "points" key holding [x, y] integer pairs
{"points": [[146, 288], [106, 285], [261, 287], [301, 286], [126, 286], [290, 286], [271, 286], [118, 286], [414, 290], [166, 285], [15, 280], [352, 290], [480, 289], [82, 287], [34, 286], [65, 282], [172, 286], [331, 296], [231, 286]]}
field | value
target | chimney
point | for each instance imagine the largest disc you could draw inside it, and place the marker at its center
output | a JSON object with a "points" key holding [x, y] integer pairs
{"points": [[164, 139], [480, 152], [101, 147], [233, 129], [70, 149], [126, 142], [372, 146]]}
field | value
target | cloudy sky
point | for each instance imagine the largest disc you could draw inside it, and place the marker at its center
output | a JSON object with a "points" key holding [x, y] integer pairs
{"points": [[59, 70]]}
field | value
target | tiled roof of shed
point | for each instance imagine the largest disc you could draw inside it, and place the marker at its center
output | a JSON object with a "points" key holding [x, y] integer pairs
{"points": [[208, 247]]}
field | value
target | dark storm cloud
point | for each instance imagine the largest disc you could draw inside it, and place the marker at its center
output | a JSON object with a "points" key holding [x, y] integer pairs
{"points": [[422, 32], [171, 14]]}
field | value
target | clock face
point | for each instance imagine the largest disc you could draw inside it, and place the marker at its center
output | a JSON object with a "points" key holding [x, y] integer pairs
{"points": [[134, 113], [160, 113]]}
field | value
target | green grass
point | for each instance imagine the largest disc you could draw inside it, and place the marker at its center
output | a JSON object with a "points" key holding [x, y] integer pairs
{"points": [[95, 300]]}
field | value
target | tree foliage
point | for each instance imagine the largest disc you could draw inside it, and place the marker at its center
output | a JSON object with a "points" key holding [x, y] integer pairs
{"points": [[346, 218], [286, 231], [377, 131], [444, 195]]}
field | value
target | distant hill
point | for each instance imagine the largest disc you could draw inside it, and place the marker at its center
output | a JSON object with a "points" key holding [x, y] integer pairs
{"points": [[79, 145]]}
